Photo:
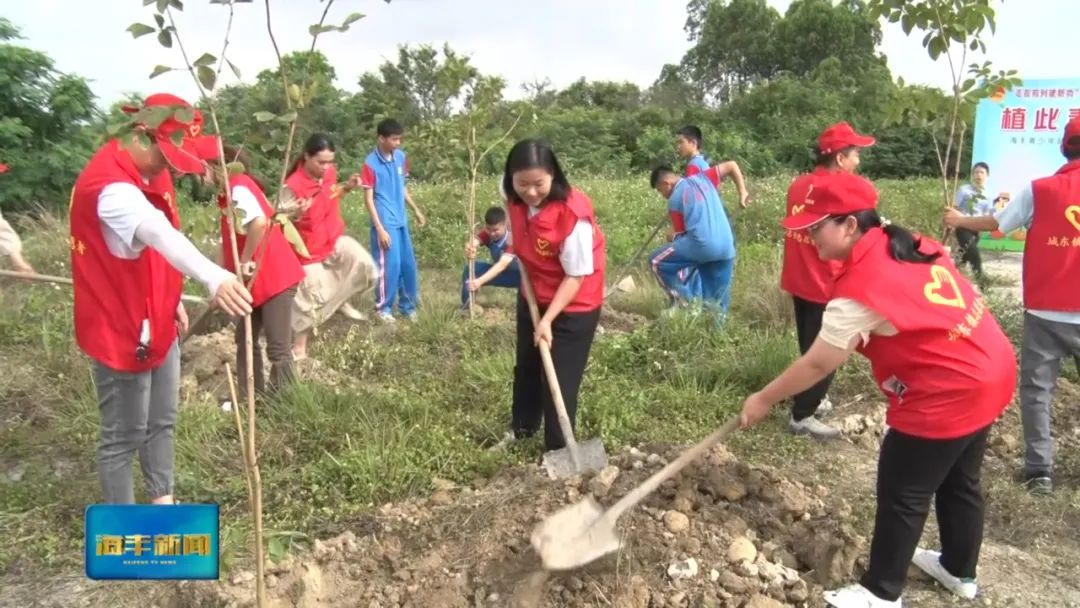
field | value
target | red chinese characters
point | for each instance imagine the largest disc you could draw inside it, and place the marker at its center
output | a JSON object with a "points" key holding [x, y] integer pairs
{"points": [[1014, 119], [1046, 119]]}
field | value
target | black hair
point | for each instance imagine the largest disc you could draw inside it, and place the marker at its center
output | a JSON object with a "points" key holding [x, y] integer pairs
{"points": [[658, 173], [1071, 150], [903, 245], [828, 161], [535, 154], [494, 215], [240, 155], [692, 133], [388, 127], [316, 142], [980, 164]]}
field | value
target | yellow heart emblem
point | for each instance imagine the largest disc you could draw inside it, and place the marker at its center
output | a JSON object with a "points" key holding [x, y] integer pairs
{"points": [[1072, 213], [797, 209], [543, 244], [939, 277]]}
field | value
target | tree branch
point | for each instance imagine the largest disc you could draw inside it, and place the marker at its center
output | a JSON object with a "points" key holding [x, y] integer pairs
{"points": [[225, 46]]}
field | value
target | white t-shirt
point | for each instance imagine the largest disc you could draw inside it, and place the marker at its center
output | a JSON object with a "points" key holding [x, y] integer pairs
{"points": [[246, 203], [129, 223]]}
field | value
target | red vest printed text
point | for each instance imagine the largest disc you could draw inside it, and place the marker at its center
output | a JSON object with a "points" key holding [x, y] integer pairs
{"points": [[536, 242], [950, 370], [1052, 246]]}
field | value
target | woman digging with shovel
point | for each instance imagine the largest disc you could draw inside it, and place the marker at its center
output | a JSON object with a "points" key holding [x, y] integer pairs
{"points": [[554, 235], [944, 364]]}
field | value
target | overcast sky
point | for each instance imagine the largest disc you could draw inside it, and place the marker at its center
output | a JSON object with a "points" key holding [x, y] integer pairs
{"points": [[561, 40]]}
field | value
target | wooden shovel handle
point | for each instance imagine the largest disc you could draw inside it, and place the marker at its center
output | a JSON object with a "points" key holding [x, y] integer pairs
{"points": [[633, 259], [45, 278], [549, 369], [652, 483]]}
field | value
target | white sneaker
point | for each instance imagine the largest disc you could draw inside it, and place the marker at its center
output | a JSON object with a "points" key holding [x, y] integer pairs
{"points": [[930, 563], [813, 427], [413, 316], [824, 407], [857, 596], [349, 312], [387, 317]]}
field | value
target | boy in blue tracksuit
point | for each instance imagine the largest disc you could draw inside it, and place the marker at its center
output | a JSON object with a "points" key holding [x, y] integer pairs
{"points": [[703, 238], [503, 270], [384, 177], [688, 147]]}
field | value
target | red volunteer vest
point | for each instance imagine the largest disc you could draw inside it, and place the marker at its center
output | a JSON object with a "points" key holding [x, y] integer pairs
{"points": [[804, 274], [114, 296], [1052, 247], [322, 225], [536, 242], [950, 370], [279, 269]]}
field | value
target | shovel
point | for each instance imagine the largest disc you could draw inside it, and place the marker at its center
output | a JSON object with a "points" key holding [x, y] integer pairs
{"points": [[584, 532], [575, 457], [45, 278], [620, 277]]}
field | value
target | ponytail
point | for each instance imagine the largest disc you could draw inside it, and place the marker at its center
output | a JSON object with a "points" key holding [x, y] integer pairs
{"points": [[903, 245]]}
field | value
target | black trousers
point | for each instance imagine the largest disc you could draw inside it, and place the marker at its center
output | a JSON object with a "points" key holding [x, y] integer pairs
{"points": [[969, 248], [807, 325], [911, 471], [572, 337]]}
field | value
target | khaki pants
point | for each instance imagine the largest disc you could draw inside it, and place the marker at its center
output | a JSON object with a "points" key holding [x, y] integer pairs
{"points": [[329, 284]]}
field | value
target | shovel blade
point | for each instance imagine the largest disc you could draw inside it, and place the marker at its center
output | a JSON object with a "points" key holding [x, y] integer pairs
{"points": [[591, 455], [575, 536]]}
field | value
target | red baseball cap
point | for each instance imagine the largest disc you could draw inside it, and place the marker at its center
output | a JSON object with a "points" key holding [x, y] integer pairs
{"points": [[840, 136], [194, 147], [833, 193], [1072, 131]]}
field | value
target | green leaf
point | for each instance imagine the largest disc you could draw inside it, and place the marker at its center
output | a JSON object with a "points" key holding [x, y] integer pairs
{"points": [[148, 2], [967, 85], [292, 236], [205, 59], [287, 118], [159, 70], [294, 93], [160, 21], [185, 115], [235, 168], [139, 29], [144, 140], [276, 548], [165, 38], [117, 128], [207, 78], [352, 18], [177, 4], [177, 137], [162, 5], [907, 23], [317, 29], [264, 116], [235, 70]]}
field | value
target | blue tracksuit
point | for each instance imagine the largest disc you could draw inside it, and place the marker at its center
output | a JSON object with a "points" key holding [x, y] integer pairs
{"points": [[707, 245], [697, 164], [509, 277], [398, 275]]}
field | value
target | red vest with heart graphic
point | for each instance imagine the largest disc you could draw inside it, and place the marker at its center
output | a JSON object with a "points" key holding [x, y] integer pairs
{"points": [[1052, 246], [278, 267], [950, 370], [536, 242], [805, 274], [322, 225], [113, 296]]}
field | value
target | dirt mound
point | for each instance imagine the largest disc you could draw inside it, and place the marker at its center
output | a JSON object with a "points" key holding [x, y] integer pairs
{"points": [[202, 365], [612, 320], [720, 534]]}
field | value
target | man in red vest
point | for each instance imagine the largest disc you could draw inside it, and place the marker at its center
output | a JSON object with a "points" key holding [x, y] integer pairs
{"points": [[1050, 209], [808, 278], [128, 262]]}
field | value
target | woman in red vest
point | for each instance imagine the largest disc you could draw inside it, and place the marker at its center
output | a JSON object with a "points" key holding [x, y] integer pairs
{"points": [[337, 266], [554, 234], [944, 364], [261, 244]]}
